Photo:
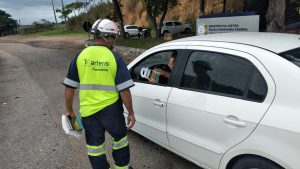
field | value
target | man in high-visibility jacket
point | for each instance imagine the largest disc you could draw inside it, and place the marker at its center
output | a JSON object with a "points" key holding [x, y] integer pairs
{"points": [[104, 81]]}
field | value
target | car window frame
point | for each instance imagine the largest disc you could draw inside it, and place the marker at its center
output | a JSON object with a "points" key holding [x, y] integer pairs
{"points": [[169, 23], [172, 79], [184, 62], [177, 23]]}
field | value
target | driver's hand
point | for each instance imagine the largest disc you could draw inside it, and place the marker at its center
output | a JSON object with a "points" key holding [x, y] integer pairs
{"points": [[152, 81], [160, 71]]}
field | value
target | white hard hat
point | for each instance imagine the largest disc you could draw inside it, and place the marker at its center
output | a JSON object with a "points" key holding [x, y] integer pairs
{"points": [[104, 27]]}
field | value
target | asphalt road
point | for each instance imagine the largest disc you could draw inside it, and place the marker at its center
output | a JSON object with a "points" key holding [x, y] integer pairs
{"points": [[31, 105]]}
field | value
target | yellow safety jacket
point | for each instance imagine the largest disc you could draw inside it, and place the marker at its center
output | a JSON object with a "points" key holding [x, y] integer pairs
{"points": [[97, 70]]}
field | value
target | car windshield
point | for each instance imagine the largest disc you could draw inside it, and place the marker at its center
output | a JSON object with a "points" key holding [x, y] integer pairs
{"points": [[293, 56]]}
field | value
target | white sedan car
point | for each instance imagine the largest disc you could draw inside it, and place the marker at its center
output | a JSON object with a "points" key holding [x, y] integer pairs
{"points": [[232, 100]]}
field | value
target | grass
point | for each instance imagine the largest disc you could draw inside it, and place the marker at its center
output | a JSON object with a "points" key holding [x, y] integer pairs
{"points": [[60, 30], [144, 43], [147, 43]]}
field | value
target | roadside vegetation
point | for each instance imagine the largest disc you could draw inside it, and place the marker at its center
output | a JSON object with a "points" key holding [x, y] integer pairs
{"points": [[139, 42], [60, 30], [7, 24]]}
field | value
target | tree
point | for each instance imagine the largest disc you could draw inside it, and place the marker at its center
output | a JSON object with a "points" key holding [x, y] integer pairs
{"points": [[165, 6], [75, 6], [276, 16], [155, 8], [260, 7], [224, 6], [120, 17], [201, 2], [64, 13], [7, 24]]}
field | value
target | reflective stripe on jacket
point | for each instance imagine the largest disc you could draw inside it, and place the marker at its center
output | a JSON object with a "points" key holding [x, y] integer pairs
{"points": [[97, 70]]}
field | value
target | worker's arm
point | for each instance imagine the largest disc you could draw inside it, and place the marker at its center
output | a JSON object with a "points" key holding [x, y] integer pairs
{"points": [[127, 100], [69, 95]]}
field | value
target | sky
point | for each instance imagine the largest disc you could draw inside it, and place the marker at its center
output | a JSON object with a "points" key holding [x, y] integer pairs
{"points": [[28, 11]]}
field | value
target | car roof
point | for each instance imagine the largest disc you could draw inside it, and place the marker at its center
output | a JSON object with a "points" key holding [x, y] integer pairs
{"points": [[275, 42]]}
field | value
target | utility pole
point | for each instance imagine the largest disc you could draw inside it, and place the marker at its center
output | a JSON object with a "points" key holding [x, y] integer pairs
{"points": [[63, 9], [54, 12]]}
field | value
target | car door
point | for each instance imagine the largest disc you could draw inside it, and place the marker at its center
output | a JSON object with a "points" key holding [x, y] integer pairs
{"points": [[178, 27], [134, 30], [129, 30], [170, 27], [220, 97], [149, 99]]}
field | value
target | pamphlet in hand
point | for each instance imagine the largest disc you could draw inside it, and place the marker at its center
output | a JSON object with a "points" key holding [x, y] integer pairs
{"points": [[73, 129], [150, 74], [75, 124]]}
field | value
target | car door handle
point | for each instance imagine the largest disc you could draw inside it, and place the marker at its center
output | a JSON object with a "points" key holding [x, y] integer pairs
{"points": [[234, 121], [157, 102]]}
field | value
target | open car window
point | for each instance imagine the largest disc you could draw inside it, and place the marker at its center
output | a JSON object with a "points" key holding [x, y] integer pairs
{"points": [[146, 70]]}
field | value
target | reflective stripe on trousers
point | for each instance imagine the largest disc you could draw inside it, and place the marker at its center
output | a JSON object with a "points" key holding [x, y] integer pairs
{"points": [[120, 144], [95, 150], [124, 167]]}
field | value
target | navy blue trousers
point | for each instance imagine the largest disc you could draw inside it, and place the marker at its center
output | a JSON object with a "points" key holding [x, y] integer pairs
{"points": [[110, 119]]}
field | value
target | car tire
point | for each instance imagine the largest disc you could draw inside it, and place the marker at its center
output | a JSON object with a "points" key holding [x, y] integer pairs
{"points": [[127, 35], [255, 163], [165, 32]]}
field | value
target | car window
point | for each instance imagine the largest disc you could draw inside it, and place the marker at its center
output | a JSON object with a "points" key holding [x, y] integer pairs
{"points": [[258, 88], [169, 24], [217, 73], [151, 63], [132, 27], [177, 23], [293, 56]]}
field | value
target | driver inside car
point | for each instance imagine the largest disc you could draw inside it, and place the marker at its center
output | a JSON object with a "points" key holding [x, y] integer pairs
{"points": [[165, 71]]}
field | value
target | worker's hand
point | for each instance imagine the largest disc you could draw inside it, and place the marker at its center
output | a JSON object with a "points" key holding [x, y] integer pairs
{"points": [[71, 116], [130, 120]]}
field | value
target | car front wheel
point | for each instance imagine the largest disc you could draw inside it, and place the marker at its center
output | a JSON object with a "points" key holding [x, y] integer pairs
{"points": [[165, 32], [255, 163]]}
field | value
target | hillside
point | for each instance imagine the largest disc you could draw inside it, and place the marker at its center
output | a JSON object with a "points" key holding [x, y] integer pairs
{"points": [[187, 10]]}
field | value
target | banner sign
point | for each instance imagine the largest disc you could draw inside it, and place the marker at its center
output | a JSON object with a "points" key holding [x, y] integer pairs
{"points": [[227, 24]]}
